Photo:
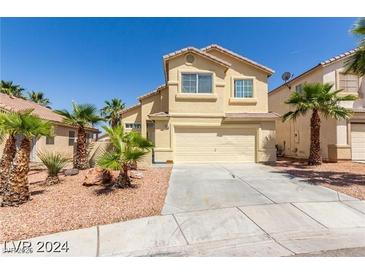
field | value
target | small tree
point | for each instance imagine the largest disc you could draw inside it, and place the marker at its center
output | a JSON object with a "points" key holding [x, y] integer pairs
{"points": [[125, 149], [17, 185], [112, 111], [318, 98], [356, 63], [39, 98], [82, 116], [55, 162], [10, 126], [9, 88]]}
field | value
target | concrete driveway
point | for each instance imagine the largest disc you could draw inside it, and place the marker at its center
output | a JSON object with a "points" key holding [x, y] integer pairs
{"points": [[232, 210]]}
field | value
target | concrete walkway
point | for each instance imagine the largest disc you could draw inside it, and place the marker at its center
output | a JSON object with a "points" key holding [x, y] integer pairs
{"points": [[229, 210]]}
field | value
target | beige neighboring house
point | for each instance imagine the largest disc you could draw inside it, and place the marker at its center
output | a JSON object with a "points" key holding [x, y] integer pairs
{"points": [[64, 135], [213, 107], [340, 140]]}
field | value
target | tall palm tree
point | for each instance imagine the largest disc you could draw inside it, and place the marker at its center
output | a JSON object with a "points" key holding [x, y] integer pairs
{"points": [[126, 149], [356, 63], [320, 99], [9, 128], [17, 185], [112, 111], [82, 116], [9, 88], [39, 98]]}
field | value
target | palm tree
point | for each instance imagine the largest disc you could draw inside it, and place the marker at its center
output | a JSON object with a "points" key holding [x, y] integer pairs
{"points": [[17, 185], [9, 126], [82, 116], [319, 99], [54, 162], [11, 89], [39, 98], [356, 63], [126, 148], [112, 111]]}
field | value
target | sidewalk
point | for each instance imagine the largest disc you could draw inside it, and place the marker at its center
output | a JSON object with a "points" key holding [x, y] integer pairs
{"points": [[221, 232]]}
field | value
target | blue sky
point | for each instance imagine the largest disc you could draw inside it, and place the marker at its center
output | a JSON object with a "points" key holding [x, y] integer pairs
{"points": [[90, 60]]}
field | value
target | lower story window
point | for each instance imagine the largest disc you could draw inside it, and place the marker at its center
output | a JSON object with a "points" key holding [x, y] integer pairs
{"points": [[132, 125], [50, 140], [243, 88]]}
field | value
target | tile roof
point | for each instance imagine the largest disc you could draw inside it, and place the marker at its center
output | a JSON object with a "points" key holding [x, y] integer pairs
{"points": [[16, 104], [130, 108], [238, 56], [197, 51], [321, 64], [338, 57], [153, 92]]}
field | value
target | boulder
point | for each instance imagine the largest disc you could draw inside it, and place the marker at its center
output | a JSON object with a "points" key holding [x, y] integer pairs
{"points": [[71, 172]]}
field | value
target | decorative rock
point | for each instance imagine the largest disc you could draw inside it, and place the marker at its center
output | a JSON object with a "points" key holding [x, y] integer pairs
{"points": [[71, 172], [136, 175]]}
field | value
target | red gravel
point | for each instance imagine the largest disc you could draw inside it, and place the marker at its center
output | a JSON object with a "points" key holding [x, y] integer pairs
{"points": [[70, 205], [345, 177]]}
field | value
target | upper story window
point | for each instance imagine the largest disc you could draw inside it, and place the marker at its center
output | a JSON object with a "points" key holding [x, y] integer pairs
{"points": [[132, 125], [196, 83], [348, 82], [243, 88], [299, 88]]}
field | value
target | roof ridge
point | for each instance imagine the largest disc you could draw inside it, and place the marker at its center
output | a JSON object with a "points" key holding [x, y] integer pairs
{"points": [[216, 46], [322, 63], [190, 48]]}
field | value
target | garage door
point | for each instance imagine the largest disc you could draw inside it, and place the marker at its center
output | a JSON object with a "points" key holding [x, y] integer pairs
{"points": [[214, 145], [358, 141]]}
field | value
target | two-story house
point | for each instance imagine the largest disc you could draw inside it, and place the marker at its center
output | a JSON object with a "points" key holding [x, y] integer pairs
{"points": [[213, 107], [340, 139]]}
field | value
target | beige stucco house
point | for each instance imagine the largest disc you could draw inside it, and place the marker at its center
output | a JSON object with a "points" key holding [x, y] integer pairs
{"points": [[213, 107], [340, 140], [64, 137]]}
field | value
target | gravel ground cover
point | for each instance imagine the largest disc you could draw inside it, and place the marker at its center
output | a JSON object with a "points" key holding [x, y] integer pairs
{"points": [[345, 177], [70, 205]]}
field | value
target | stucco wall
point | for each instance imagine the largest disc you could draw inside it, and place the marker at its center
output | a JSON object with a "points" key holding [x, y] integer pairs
{"points": [[241, 70]]}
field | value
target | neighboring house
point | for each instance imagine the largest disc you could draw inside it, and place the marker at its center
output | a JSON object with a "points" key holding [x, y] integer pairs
{"points": [[213, 107], [64, 135], [340, 140]]}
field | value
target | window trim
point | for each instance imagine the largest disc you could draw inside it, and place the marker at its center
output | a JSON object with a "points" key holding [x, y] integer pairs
{"points": [[234, 79], [301, 85], [74, 138], [180, 80], [342, 71], [50, 143], [133, 125]]}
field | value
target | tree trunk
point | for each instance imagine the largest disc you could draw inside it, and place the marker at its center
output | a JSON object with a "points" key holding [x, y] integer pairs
{"points": [[123, 180], [6, 161], [52, 180], [81, 161], [17, 188], [315, 146]]}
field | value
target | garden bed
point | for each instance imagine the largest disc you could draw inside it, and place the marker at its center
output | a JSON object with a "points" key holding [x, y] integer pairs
{"points": [[70, 205], [345, 177]]}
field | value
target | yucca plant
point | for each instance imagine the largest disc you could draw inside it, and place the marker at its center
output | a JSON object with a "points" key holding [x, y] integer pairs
{"points": [[126, 148], [55, 162]]}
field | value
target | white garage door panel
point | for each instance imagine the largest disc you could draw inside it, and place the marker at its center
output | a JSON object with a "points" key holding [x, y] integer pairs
{"points": [[214, 145], [358, 142]]}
